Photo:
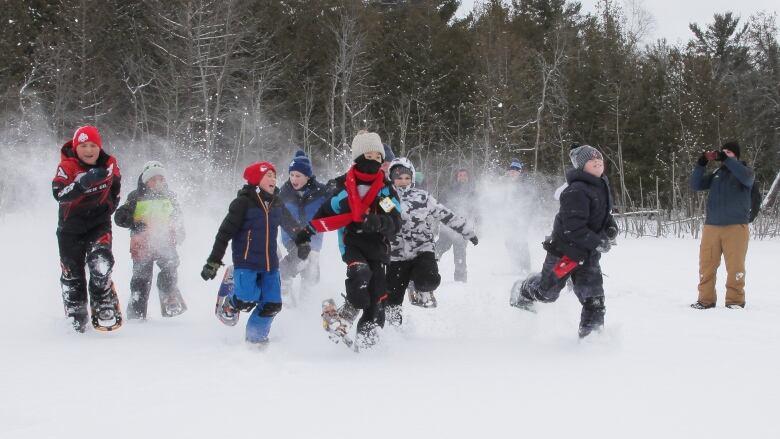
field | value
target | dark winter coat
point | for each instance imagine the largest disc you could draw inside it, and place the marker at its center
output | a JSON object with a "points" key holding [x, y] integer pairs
{"points": [[729, 200], [374, 246], [303, 204], [83, 210], [252, 224], [584, 215]]}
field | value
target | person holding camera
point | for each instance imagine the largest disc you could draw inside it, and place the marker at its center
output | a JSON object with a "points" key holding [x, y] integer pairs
{"points": [[726, 230]]}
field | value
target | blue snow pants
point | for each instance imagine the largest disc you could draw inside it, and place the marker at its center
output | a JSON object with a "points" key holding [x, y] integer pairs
{"points": [[263, 289]]}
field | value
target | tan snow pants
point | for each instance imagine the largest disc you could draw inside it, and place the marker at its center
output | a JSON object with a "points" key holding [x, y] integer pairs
{"points": [[731, 242]]}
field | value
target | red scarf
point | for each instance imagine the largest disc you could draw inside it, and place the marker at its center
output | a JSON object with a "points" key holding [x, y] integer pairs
{"points": [[358, 207]]}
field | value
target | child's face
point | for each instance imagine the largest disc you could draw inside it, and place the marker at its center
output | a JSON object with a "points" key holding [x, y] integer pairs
{"points": [[298, 180], [156, 184], [462, 177], [594, 167], [88, 152], [268, 183], [513, 174], [374, 155], [403, 181]]}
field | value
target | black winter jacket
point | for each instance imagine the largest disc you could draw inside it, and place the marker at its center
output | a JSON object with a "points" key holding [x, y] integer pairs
{"points": [[584, 215]]}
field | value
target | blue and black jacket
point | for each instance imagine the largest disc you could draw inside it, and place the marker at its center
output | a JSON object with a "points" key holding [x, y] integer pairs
{"points": [[303, 204], [352, 239], [729, 199], [252, 224]]}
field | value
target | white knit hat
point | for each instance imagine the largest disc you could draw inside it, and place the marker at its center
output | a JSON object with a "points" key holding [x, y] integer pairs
{"points": [[152, 169], [367, 142]]}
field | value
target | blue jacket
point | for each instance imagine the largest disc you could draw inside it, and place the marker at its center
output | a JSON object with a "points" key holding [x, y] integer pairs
{"points": [[729, 199], [303, 204], [252, 224]]}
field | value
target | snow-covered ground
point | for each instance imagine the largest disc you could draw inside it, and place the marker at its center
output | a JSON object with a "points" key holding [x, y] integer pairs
{"points": [[474, 367]]}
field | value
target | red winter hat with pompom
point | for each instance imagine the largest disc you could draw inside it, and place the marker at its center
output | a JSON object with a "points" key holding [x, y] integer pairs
{"points": [[87, 133], [256, 171]]}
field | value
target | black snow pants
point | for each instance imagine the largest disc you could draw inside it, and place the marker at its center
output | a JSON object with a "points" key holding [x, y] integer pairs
{"points": [[141, 282], [422, 270], [79, 251], [366, 287]]}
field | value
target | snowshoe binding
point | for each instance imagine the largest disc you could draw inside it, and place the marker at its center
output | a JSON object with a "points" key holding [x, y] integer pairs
{"points": [[224, 309], [338, 321], [423, 299], [517, 297], [394, 315], [172, 304], [106, 313]]}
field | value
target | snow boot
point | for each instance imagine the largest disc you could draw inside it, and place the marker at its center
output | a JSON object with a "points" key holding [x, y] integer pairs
{"points": [[520, 296], [699, 305], [735, 306], [423, 299], [367, 335], [225, 311], [136, 307], [78, 316], [592, 316]]}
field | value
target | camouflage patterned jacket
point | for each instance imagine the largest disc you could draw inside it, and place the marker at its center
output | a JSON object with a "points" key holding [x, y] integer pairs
{"points": [[419, 213]]}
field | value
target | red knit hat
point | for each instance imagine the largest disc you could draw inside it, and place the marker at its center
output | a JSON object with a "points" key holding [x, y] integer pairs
{"points": [[87, 133], [256, 171]]}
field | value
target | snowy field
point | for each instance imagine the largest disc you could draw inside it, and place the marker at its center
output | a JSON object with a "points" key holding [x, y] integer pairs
{"points": [[474, 367]]}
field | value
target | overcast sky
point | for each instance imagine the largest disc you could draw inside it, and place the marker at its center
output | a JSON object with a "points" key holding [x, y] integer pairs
{"points": [[671, 17]]}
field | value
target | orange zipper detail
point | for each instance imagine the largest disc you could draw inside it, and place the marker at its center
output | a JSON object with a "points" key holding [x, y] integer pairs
{"points": [[267, 236], [248, 241]]}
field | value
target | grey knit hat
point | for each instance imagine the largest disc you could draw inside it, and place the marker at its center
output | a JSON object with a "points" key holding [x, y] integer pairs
{"points": [[582, 154], [366, 142]]}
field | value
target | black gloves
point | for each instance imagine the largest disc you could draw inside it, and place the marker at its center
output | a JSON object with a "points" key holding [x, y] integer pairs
{"points": [[474, 240], [612, 232], [722, 156], [91, 177], [303, 250], [304, 235], [604, 246], [703, 159], [210, 270], [372, 223]]}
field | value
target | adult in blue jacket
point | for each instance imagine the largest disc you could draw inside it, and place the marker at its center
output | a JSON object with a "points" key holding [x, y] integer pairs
{"points": [[726, 230], [303, 195]]}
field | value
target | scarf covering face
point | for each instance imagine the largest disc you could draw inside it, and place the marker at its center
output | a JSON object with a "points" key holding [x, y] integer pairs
{"points": [[358, 207]]}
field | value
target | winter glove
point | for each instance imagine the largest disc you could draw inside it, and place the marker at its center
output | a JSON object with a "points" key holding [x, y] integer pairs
{"points": [[611, 232], [210, 270], [372, 223], [722, 156], [604, 246], [94, 175], [303, 250], [474, 240], [703, 159], [304, 236]]}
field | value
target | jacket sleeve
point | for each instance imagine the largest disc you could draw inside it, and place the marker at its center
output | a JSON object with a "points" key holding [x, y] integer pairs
{"points": [[326, 208], [230, 225], [744, 174], [699, 181], [449, 218], [64, 186], [289, 224], [575, 211], [124, 215]]}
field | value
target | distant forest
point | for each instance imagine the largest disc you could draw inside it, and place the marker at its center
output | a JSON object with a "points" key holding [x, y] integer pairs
{"points": [[226, 82]]}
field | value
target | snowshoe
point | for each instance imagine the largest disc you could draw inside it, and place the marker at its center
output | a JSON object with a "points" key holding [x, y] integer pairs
{"points": [[518, 299], [367, 336], [136, 307], [699, 305], [592, 316], [338, 321], [423, 299], [172, 304], [735, 306], [107, 314], [394, 315], [224, 310]]}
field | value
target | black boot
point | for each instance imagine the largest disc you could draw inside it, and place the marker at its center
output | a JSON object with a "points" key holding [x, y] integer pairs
{"points": [[592, 316]]}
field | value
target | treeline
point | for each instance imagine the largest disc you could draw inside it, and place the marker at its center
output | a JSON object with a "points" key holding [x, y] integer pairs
{"points": [[229, 81]]}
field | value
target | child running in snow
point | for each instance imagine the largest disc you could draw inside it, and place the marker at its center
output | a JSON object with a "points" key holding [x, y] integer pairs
{"points": [[365, 211], [252, 224], [153, 216], [87, 186], [584, 229], [303, 195], [462, 197], [413, 255]]}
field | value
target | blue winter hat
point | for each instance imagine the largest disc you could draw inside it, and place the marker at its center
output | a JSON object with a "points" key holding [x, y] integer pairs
{"points": [[301, 163], [389, 156], [516, 165]]}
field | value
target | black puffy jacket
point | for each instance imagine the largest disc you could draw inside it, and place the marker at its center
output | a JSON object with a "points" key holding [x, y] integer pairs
{"points": [[584, 215]]}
